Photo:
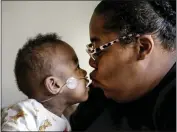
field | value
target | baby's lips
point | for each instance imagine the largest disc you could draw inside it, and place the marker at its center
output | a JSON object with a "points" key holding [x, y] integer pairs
{"points": [[88, 82]]}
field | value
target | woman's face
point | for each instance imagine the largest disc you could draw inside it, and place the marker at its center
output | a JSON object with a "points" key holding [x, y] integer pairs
{"points": [[115, 69]]}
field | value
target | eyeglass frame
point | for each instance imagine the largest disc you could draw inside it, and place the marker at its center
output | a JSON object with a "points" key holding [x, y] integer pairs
{"points": [[92, 51]]}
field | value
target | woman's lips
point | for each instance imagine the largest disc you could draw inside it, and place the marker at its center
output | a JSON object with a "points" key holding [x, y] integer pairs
{"points": [[92, 75], [94, 83], [93, 80]]}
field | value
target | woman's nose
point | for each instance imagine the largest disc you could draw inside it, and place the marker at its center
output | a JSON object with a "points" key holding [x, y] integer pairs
{"points": [[92, 63]]}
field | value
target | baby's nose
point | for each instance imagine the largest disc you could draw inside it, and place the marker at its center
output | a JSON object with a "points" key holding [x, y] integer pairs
{"points": [[84, 72]]}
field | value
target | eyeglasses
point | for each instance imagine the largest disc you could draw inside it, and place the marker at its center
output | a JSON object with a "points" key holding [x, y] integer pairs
{"points": [[94, 53]]}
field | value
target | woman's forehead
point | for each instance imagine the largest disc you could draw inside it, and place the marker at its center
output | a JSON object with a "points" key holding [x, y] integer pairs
{"points": [[96, 24], [97, 31]]}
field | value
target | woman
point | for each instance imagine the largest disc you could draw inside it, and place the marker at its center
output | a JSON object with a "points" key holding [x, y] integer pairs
{"points": [[133, 53]]}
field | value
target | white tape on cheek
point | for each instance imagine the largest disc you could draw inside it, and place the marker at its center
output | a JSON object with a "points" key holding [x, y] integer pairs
{"points": [[72, 83]]}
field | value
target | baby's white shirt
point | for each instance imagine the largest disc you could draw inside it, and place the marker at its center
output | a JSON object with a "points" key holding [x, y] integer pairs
{"points": [[30, 115]]}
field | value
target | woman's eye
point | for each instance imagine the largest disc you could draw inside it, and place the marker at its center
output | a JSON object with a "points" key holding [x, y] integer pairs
{"points": [[99, 53]]}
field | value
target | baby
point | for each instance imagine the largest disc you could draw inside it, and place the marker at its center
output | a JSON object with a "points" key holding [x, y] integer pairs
{"points": [[47, 71]]}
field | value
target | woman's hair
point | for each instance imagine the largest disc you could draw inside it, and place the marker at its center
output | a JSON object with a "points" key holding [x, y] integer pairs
{"points": [[140, 17]]}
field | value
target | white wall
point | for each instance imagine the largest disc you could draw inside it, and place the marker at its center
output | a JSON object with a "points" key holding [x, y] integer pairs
{"points": [[23, 19], [0, 63]]}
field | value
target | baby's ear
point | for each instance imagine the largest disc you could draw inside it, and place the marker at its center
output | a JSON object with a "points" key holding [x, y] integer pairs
{"points": [[52, 84]]}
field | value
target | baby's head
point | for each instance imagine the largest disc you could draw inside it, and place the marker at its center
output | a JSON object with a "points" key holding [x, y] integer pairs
{"points": [[47, 66]]}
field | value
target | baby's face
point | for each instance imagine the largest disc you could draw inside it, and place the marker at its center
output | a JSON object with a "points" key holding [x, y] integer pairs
{"points": [[77, 76], [70, 68]]}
